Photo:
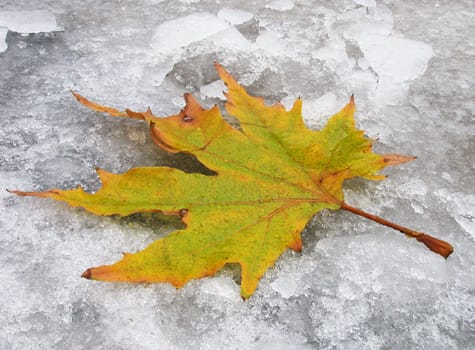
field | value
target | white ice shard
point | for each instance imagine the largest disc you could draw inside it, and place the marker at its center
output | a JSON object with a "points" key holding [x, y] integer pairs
{"points": [[182, 31], [397, 61], [281, 5], [3, 39], [286, 286], [213, 90], [35, 21], [234, 16]]}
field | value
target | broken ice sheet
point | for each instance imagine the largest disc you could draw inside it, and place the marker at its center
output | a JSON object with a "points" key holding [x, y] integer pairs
{"points": [[462, 207], [281, 5], [213, 90], [36, 21], [234, 16], [286, 286], [367, 3], [232, 39], [26, 22], [3, 39], [182, 31], [221, 287], [397, 61]]}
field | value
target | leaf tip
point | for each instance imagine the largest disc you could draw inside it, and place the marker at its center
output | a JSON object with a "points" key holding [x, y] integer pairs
{"points": [[87, 274], [191, 101], [218, 66], [297, 106], [32, 194], [103, 175], [395, 159], [296, 245], [351, 103], [81, 99], [225, 76], [17, 192]]}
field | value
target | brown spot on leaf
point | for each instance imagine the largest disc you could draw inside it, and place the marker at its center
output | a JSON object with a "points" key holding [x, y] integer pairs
{"points": [[182, 212], [187, 119], [87, 274]]}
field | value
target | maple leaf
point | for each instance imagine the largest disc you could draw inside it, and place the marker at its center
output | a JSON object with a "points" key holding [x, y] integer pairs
{"points": [[272, 176]]}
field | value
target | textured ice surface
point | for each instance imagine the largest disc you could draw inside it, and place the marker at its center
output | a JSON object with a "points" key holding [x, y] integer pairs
{"points": [[356, 285]]}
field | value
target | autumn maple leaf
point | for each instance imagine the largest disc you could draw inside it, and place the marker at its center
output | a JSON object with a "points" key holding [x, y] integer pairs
{"points": [[272, 176]]}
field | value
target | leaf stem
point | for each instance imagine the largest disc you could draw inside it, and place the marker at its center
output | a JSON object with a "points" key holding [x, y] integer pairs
{"points": [[436, 245]]}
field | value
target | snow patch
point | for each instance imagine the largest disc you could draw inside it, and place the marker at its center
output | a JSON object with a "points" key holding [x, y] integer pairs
{"points": [[413, 187], [281, 5], [286, 286], [397, 61], [358, 23], [271, 43], [231, 38], [221, 287], [213, 90], [28, 22], [315, 110], [367, 3], [462, 207], [181, 32], [3, 39], [234, 16], [334, 53]]}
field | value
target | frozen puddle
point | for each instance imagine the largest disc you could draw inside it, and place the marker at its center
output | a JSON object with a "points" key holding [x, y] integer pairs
{"points": [[26, 22]]}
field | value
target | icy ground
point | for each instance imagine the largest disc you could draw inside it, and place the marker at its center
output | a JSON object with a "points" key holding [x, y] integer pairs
{"points": [[356, 285]]}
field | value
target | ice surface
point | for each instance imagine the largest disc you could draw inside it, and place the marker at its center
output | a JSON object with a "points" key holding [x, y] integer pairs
{"points": [[354, 286]]}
